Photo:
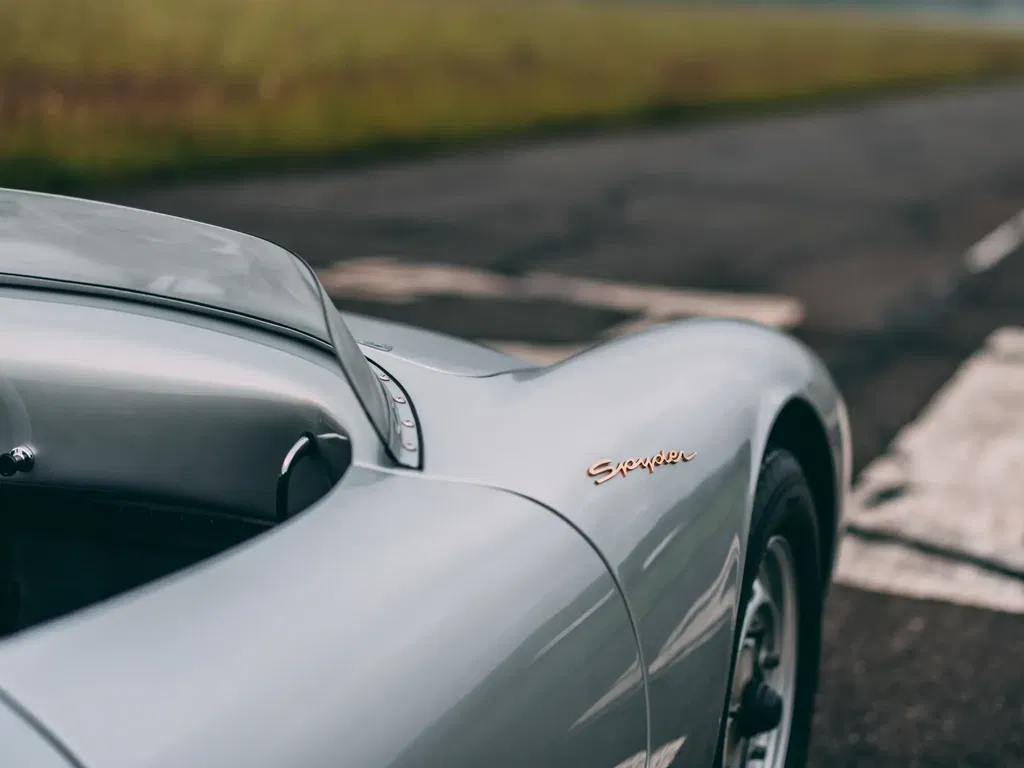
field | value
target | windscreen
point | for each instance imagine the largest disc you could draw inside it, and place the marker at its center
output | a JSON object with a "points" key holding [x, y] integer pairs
{"points": [[89, 243], [59, 238]]}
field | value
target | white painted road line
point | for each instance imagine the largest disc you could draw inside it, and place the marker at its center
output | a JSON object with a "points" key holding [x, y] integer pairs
{"points": [[997, 245], [953, 479], [388, 279], [397, 282], [660, 304], [896, 570], [540, 354]]}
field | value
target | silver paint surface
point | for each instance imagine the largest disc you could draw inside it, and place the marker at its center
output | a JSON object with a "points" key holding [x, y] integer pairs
{"points": [[78, 243], [139, 402], [429, 348], [495, 607], [23, 746], [402, 622], [674, 537]]}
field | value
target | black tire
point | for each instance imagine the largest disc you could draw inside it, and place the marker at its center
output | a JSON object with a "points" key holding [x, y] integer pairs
{"points": [[783, 506]]}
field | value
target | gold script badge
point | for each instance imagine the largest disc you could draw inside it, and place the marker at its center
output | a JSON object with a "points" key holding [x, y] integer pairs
{"points": [[609, 469]]}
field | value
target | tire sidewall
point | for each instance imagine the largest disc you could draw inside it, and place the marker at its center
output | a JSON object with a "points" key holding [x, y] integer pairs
{"points": [[783, 506]]}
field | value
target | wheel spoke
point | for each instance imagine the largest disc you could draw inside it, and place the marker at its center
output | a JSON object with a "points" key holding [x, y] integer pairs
{"points": [[767, 656]]}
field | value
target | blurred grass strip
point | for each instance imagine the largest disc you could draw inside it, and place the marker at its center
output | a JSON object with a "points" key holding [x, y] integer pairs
{"points": [[114, 89]]}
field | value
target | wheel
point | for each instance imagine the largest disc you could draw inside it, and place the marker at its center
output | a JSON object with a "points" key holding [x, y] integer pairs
{"points": [[777, 647]]}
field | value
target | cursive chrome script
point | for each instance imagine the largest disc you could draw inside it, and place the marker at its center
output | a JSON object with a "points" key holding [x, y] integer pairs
{"points": [[610, 469]]}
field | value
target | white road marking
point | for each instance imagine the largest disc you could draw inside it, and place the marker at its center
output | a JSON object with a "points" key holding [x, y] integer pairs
{"points": [[388, 279], [996, 245], [540, 354], [659, 304], [896, 570], [954, 479], [394, 281], [549, 354]]}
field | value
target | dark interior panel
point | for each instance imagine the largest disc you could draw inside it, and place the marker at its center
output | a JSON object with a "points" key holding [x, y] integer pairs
{"points": [[62, 550]]}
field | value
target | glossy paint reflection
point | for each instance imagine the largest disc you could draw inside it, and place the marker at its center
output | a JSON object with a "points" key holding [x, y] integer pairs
{"points": [[22, 745], [675, 537], [149, 401], [468, 627]]}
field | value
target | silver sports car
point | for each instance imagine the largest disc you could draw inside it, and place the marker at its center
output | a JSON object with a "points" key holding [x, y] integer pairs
{"points": [[239, 529]]}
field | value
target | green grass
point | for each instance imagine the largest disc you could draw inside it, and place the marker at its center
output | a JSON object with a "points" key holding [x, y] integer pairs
{"points": [[93, 90]]}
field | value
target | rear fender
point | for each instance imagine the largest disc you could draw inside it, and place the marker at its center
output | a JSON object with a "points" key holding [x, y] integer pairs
{"points": [[675, 534], [23, 743]]}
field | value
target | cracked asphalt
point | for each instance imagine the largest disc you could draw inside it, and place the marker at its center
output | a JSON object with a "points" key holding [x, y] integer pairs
{"points": [[863, 213]]}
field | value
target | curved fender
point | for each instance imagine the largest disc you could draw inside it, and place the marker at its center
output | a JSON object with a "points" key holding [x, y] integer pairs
{"points": [[401, 622], [23, 744], [674, 533]]}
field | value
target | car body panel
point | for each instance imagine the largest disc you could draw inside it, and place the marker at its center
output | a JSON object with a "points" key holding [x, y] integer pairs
{"points": [[56, 243], [494, 598], [140, 402], [400, 622], [23, 745], [676, 535], [430, 349]]}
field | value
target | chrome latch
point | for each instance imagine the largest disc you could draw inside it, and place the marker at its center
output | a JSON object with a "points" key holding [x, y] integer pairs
{"points": [[20, 459]]}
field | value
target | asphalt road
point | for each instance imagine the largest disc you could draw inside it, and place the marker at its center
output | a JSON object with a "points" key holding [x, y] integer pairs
{"points": [[861, 213]]}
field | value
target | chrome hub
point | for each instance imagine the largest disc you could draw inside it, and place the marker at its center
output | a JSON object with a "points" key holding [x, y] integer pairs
{"points": [[760, 709], [763, 686]]}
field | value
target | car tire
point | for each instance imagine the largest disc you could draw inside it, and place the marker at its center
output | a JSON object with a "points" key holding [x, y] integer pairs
{"points": [[783, 537]]}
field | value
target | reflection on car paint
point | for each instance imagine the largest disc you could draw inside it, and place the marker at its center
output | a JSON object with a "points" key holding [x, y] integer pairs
{"points": [[660, 758], [708, 614], [628, 681], [375, 345]]}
